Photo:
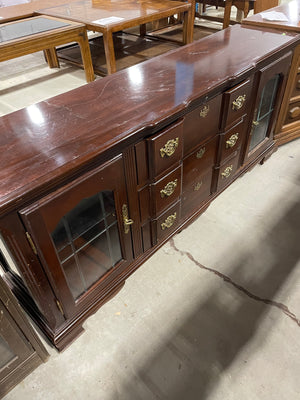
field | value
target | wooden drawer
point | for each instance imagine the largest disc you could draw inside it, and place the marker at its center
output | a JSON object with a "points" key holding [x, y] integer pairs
{"points": [[197, 189], [165, 149], [293, 113], [231, 141], [226, 172], [237, 102], [201, 123], [166, 191], [164, 225], [201, 159]]}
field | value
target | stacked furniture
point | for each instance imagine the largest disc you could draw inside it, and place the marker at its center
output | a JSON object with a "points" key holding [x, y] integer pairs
{"points": [[94, 181], [288, 123]]}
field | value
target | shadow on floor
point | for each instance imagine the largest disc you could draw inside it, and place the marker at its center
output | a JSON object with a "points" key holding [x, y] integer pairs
{"points": [[189, 364]]}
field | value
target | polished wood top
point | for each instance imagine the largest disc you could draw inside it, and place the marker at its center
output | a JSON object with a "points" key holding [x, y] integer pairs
{"points": [[46, 142], [104, 14], [291, 10], [11, 10]]}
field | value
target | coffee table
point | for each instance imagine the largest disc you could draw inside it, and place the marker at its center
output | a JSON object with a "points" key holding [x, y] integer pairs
{"points": [[107, 17], [30, 35]]}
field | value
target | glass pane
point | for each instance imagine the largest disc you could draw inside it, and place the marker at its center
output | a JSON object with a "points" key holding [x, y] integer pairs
{"points": [[6, 353], [264, 112], [259, 132], [28, 27], [87, 241], [268, 97]]}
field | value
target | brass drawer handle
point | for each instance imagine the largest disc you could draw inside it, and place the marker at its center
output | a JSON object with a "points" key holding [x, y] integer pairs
{"points": [[169, 221], [197, 186], [169, 148], [294, 112], [204, 111], [201, 152], [238, 103], [232, 140], [227, 172], [298, 84], [169, 189], [126, 221]]}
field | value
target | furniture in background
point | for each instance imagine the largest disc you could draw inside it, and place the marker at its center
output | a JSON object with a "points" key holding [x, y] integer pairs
{"points": [[22, 37], [243, 7], [111, 170], [288, 122], [21, 351], [108, 17]]}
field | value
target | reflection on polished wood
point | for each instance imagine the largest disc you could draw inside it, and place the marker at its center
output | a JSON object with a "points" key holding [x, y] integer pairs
{"points": [[108, 17]]}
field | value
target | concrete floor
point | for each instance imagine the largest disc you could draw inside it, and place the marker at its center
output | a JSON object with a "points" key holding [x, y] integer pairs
{"points": [[214, 314]]}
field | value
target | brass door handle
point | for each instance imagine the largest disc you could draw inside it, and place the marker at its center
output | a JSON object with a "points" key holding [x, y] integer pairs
{"points": [[232, 140], [238, 103], [169, 148], [169, 221], [126, 221], [169, 189], [227, 171]]}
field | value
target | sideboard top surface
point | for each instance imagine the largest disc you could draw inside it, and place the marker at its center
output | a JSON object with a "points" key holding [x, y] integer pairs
{"points": [[49, 140]]}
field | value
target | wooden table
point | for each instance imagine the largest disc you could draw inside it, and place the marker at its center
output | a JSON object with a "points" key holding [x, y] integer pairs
{"points": [[108, 17], [288, 123], [11, 10], [19, 38]]}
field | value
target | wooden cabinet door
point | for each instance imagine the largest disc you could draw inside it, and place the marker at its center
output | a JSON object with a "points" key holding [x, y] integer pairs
{"points": [[271, 83], [82, 235]]}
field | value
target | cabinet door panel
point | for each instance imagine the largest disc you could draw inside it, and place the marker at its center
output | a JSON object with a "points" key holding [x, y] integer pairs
{"points": [[80, 236], [271, 83]]}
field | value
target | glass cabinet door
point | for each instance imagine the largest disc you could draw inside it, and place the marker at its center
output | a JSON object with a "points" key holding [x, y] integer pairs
{"points": [[80, 235], [271, 83]]}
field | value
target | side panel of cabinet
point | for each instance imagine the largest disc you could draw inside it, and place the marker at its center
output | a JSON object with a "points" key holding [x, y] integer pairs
{"points": [[82, 235]]}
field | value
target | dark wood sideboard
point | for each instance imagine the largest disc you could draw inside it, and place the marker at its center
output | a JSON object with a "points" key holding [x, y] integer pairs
{"points": [[97, 179]]}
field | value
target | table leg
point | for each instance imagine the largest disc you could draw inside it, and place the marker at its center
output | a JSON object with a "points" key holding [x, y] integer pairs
{"points": [[143, 30], [109, 52], [188, 24], [86, 57], [51, 57], [226, 20]]}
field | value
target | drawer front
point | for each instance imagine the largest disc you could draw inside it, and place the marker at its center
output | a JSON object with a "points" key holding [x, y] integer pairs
{"points": [[201, 159], [237, 101], [232, 140], [165, 149], [164, 225], [196, 190], [166, 191], [227, 171], [293, 113], [201, 123]]}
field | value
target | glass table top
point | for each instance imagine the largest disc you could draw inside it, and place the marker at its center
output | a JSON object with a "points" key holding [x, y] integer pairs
{"points": [[28, 27]]}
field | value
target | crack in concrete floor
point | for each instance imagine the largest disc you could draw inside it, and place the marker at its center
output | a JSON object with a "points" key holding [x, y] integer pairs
{"points": [[282, 307]]}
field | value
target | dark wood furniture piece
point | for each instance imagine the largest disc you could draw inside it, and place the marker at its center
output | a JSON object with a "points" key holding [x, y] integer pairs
{"points": [[288, 122], [93, 181], [21, 351], [108, 17], [22, 37]]}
